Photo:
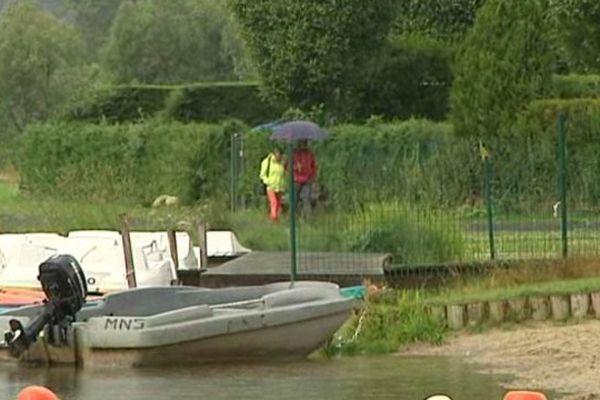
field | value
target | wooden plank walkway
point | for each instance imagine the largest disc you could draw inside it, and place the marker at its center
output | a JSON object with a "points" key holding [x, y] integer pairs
{"points": [[261, 267]]}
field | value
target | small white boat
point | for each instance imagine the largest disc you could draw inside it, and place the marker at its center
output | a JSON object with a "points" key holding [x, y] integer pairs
{"points": [[101, 255], [173, 325]]}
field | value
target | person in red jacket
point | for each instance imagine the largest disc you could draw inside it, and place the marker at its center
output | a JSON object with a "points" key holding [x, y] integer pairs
{"points": [[305, 172]]}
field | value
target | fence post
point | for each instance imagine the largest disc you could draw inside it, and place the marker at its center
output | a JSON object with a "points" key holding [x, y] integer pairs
{"points": [[233, 171], [487, 168], [292, 211], [172, 237], [562, 176], [126, 238], [202, 244]]}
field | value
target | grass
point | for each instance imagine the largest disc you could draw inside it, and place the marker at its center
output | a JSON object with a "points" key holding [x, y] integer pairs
{"points": [[572, 276], [412, 236], [19, 213], [387, 321]]}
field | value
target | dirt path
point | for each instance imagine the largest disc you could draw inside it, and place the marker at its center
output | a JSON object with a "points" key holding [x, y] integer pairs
{"points": [[544, 356]]}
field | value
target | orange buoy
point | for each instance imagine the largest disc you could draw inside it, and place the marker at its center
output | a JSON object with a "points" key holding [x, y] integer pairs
{"points": [[524, 395], [37, 393]]}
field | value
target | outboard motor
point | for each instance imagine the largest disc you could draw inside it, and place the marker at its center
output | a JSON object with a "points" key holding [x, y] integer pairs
{"points": [[64, 284]]}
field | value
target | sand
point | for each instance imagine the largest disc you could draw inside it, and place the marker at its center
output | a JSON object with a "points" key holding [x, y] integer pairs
{"points": [[564, 359]]}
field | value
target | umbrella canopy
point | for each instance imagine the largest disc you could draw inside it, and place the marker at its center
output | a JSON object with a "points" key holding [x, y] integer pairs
{"points": [[298, 130], [268, 126]]}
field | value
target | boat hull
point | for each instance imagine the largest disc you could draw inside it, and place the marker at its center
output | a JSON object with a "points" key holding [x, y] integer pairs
{"points": [[281, 325], [280, 343]]}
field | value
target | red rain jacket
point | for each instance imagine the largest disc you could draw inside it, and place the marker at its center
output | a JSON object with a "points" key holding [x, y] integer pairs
{"points": [[305, 166]]}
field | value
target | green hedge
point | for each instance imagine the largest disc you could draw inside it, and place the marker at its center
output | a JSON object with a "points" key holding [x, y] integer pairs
{"points": [[380, 162], [412, 79], [538, 126], [129, 162], [576, 86], [414, 162], [122, 103], [220, 101], [206, 102]]}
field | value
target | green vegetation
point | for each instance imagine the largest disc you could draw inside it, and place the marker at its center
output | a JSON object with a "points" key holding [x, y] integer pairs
{"points": [[439, 19], [20, 213], [39, 56], [93, 18], [582, 285], [170, 42], [107, 104], [206, 102], [577, 86], [386, 322], [391, 318], [489, 87], [522, 280], [315, 53], [129, 163], [412, 78], [579, 33]]}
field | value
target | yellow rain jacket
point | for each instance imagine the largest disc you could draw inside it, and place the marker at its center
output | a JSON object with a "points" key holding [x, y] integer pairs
{"points": [[272, 174]]}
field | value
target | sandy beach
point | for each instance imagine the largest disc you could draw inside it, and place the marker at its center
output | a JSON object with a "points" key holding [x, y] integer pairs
{"points": [[544, 356]]}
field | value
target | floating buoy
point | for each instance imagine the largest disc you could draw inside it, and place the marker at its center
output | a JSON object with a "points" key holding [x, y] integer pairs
{"points": [[37, 393], [438, 397], [524, 395]]}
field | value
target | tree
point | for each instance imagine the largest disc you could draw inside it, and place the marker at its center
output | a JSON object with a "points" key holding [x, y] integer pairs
{"points": [[166, 41], [310, 53], [440, 19], [504, 62], [93, 18], [36, 50], [578, 31]]}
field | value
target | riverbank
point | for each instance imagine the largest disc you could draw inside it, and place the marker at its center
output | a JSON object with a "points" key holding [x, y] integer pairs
{"points": [[547, 356]]}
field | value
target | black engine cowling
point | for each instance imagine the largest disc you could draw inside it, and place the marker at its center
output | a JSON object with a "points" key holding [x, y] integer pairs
{"points": [[64, 284]]}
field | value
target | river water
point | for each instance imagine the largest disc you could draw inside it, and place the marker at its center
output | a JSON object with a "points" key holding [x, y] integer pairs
{"points": [[376, 377]]}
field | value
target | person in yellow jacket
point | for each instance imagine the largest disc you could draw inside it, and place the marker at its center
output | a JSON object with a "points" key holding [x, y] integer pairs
{"points": [[272, 175]]}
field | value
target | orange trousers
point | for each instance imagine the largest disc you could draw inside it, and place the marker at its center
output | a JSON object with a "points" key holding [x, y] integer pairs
{"points": [[274, 205]]}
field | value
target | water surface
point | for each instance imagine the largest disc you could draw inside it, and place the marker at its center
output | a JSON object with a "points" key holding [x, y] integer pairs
{"points": [[352, 378]]}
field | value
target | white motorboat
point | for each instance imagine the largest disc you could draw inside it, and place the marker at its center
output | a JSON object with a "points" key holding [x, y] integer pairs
{"points": [[171, 325]]}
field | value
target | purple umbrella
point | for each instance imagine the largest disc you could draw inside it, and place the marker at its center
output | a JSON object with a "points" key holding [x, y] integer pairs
{"points": [[298, 130]]}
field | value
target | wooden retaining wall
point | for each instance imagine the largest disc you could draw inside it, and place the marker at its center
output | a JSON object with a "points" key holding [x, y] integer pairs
{"points": [[538, 308]]}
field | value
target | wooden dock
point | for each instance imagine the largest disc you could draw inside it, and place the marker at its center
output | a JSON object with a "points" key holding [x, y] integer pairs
{"points": [[262, 267]]}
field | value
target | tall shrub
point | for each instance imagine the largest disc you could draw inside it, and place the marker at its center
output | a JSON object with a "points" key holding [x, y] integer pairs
{"points": [[411, 79], [578, 31], [129, 162], [38, 53], [504, 63], [441, 19], [165, 41], [314, 52]]}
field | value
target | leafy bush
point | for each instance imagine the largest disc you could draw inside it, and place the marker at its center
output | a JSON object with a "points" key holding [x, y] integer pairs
{"points": [[133, 162], [442, 19], [412, 236], [415, 161], [490, 88], [411, 162], [387, 321], [171, 42], [576, 86], [206, 102], [537, 126], [218, 101], [309, 53], [412, 79], [122, 103]]}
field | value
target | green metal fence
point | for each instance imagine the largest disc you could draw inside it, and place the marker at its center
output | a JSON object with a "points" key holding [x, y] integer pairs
{"points": [[437, 202]]}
